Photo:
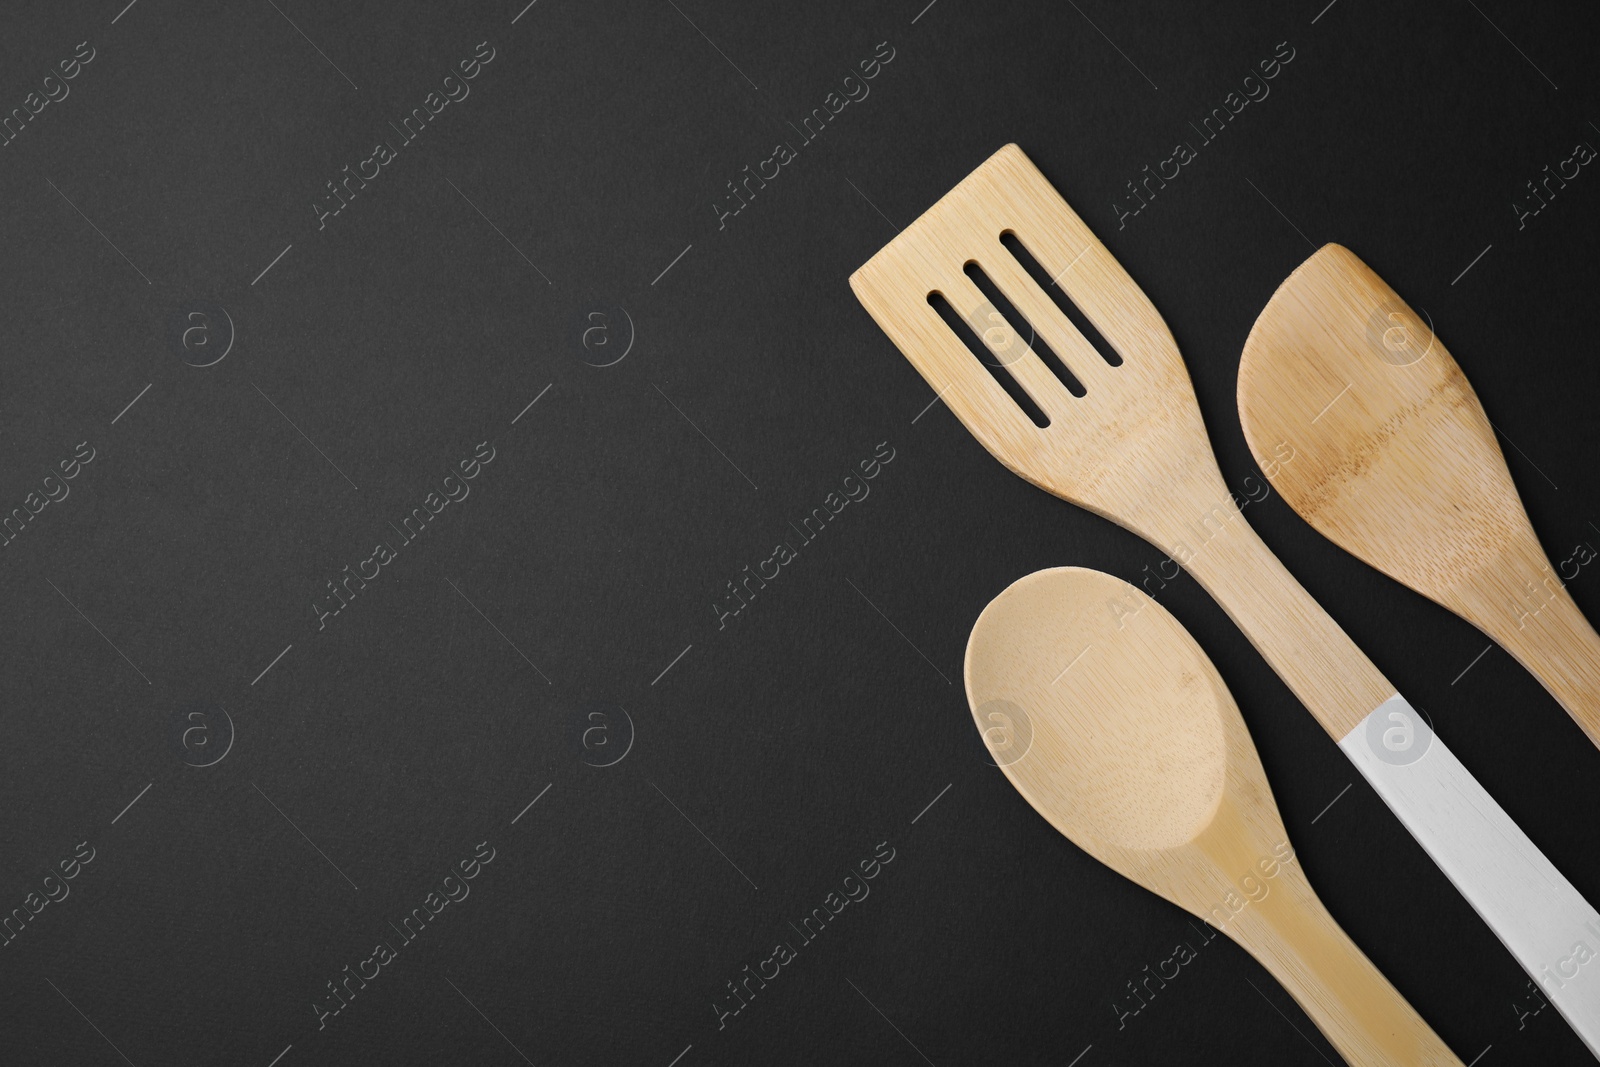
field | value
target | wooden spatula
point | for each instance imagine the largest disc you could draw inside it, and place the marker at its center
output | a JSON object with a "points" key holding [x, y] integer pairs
{"points": [[1133, 449], [1395, 461], [1120, 732]]}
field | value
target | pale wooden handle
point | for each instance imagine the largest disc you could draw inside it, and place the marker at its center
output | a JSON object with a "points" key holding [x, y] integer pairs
{"points": [[1559, 647], [1333, 678], [1351, 1002]]}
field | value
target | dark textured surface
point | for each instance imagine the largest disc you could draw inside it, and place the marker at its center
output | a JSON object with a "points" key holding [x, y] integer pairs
{"points": [[781, 750]]}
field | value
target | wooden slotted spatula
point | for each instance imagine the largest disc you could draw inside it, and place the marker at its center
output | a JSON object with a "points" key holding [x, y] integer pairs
{"points": [[1133, 449], [1120, 732], [1395, 462]]}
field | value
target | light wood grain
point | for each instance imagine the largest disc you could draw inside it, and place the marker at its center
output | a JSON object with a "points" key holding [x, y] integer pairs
{"points": [[1134, 449], [1396, 462], [1116, 728]]}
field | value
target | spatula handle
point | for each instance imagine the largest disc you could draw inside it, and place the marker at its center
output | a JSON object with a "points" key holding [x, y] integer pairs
{"points": [[1351, 1002], [1552, 639], [1332, 677], [1536, 912]]}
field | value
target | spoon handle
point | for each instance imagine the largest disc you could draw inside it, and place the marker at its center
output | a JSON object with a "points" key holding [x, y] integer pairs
{"points": [[1361, 1014]]}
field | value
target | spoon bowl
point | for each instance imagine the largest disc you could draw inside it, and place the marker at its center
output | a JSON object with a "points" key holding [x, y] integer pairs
{"points": [[1113, 724], [1164, 755]]}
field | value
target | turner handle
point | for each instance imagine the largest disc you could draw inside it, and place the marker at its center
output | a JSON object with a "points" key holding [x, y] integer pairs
{"points": [[1537, 914], [1352, 1003], [1332, 677]]}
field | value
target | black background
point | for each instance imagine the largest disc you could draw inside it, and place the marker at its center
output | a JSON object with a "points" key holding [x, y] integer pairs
{"points": [[420, 322]]}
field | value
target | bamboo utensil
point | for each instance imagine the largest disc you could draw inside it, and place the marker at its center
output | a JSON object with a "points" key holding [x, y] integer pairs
{"points": [[1132, 448], [1116, 727], [1396, 463]]}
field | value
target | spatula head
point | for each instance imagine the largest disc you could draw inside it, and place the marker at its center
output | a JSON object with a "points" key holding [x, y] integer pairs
{"points": [[1362, 420], [1112, 723], [1137, 422]]}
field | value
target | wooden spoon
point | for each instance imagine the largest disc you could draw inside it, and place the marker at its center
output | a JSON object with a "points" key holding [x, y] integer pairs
{"points": [[1115, 726], [1393, 459]]}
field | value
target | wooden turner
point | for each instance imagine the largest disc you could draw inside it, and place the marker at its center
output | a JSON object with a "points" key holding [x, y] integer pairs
{"points": [[1133, 449], [1120, 732], [1395, 462]]}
